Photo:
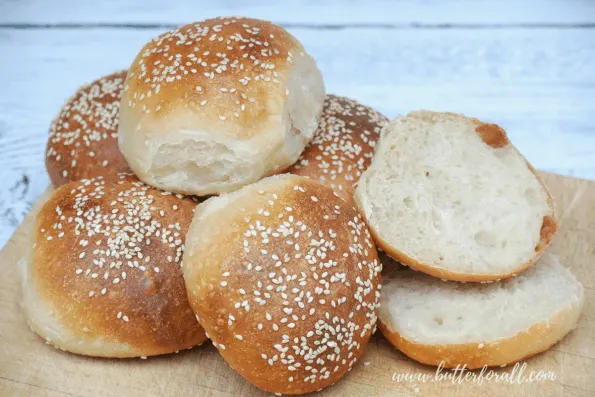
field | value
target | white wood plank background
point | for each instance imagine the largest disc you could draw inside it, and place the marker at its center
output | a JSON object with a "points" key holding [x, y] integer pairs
{"points": [[529, 66], [303, 12]]}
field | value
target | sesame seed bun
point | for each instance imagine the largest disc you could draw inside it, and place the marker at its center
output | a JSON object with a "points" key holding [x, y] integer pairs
{"points": [[285, 279], [103, 275], [343, 144], [215, 105], [83, 138]]}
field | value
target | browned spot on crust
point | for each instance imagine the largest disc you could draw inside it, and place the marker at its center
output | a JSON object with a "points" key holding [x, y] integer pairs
{"points": [[548, 229], [492, 135], [151, 284]]}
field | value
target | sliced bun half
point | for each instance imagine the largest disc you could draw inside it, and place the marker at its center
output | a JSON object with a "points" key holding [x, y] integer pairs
{"points": [[451, 196], [472, 324]]}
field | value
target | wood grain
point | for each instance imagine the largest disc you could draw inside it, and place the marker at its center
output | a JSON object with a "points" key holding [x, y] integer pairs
{"points": [[387, 13], [28, 367]]}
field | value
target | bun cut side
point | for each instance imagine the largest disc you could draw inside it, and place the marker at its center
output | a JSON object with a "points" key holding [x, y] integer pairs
{"points": [[83, 141], [343, 145], [285, 279], [494, 324], [215, 105], [103, 275], [450, 196]]}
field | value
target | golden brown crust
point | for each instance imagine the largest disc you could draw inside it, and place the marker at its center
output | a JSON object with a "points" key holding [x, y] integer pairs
{"points": [[83, 140], [286, 282], [501, 352], [232, 71], [106, 263], [343, 145]]}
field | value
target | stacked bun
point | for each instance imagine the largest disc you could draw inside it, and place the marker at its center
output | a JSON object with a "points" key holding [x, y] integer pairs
{"points": [[83, 141], [343, 145], [215, 105], [281, 270], [450, 196]]}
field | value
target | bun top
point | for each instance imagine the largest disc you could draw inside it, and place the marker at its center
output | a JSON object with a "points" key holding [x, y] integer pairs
{"points": [[106, 262], [83, 138], [285, 278], [229, 71], [343, 144]]}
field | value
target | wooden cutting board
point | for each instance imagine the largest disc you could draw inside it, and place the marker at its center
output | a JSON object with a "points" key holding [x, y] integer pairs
{"points": [[29, 367]]}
